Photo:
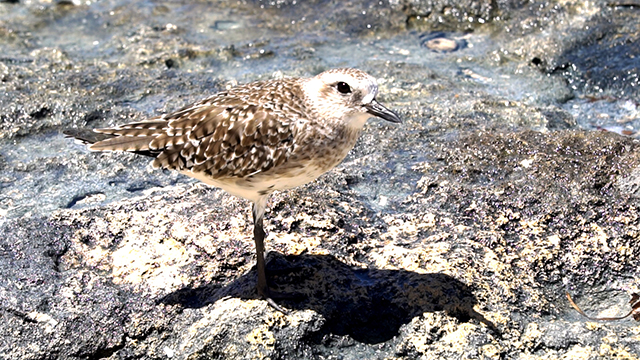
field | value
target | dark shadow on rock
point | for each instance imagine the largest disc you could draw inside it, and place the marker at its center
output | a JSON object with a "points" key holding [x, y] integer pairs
{"points": [[368, 305]]}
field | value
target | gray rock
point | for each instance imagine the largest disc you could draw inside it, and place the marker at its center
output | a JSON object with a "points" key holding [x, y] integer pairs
{"points": [[452, 235]]}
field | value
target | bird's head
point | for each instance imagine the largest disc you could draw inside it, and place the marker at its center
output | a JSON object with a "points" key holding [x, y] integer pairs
{"points": [[346, 95]]}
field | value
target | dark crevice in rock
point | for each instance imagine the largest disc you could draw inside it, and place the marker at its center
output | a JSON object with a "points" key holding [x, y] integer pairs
{"points": [[19, 314], [81, 197]]}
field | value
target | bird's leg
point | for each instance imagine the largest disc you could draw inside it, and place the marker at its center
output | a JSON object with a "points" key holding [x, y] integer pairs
{"points": [[258, 237]]}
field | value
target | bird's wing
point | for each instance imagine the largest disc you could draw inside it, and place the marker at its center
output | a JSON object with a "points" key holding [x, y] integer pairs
{"points": [[227, 135]]}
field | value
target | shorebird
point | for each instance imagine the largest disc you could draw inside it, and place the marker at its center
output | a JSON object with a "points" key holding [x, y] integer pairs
{"points": [[257, 138]]}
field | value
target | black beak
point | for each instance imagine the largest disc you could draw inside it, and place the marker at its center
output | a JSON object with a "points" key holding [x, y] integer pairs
{"points": [[376, 109]]}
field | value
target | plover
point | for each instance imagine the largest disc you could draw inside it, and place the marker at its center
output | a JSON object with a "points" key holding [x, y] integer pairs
{"points": [[254, 139]]}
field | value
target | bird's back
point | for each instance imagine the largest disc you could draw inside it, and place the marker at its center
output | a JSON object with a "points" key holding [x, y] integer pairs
{"points": [[234, 133]]}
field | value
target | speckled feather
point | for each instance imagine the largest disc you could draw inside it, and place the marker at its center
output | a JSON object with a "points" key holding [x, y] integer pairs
{"points": [[234, 133]]}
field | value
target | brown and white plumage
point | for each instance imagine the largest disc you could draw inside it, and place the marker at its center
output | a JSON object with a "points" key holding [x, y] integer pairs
{"points": [[235, 133], [260, 137]]}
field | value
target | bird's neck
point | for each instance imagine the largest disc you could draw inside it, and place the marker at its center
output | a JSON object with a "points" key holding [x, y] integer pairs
{"points": [[357, 121]]}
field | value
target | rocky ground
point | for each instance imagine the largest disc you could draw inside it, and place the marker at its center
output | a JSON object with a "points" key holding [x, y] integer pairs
{"points": [[453, 235]]}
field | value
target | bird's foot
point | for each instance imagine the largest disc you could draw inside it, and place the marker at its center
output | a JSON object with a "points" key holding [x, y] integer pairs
{"points": [[271, 296]]}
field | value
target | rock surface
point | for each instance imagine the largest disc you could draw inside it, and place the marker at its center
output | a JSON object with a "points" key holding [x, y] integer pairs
{"points": [[452, 235]]}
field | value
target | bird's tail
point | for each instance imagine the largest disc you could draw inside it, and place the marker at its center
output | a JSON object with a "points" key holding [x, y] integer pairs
{"points": [[109, 142], [86, 136]]}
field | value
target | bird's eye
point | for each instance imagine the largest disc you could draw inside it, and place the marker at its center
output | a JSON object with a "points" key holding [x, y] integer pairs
{"points": [[343, 87]]}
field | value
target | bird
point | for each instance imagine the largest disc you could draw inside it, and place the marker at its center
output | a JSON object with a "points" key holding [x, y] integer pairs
{"points": [[256, 138]]}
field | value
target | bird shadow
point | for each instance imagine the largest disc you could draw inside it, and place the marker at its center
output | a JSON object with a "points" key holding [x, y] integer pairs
{"points": [[369, 305]]}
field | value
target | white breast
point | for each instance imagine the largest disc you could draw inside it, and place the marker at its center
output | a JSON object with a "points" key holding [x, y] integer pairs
{"points": [[259, 185]]}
